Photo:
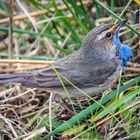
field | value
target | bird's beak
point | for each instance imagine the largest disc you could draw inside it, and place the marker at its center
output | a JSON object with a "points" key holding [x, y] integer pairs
{"points": [[116, 26], [121, 24]]}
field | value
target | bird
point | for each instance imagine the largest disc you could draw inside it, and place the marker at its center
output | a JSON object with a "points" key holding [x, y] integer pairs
{"points": [[92, 69]]}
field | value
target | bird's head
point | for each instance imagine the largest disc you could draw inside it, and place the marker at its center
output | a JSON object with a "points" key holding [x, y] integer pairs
{"points": [[106, 36]]}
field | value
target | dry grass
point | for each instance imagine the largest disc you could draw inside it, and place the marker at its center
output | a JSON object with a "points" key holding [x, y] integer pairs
{"points": [[24, 113]]}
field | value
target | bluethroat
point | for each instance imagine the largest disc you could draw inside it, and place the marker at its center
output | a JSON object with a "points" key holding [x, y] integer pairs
{"points": [[92, 69]]}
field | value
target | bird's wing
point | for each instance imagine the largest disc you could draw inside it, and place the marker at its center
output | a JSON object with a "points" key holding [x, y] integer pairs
{"points": [[79, 73]]}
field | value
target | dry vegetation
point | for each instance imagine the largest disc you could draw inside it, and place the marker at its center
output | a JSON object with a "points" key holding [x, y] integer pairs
{"points": [[42, 30]]}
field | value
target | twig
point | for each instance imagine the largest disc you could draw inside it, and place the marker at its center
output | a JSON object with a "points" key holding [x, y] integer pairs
{"points": [[131, 69], [133, 64], [11, 29], [11, 61], [9, 123], [35, 133], [27, 68], [38, 13]]}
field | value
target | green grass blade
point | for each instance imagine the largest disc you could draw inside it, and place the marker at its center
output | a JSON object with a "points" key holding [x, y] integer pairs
{"points": [[21, 31], [79, 117], [75, 17], [115, 105], [112, 13], [50, 19]]}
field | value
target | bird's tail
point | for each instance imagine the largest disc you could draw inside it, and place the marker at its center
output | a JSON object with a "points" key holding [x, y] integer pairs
{"points": [[13, 78]]}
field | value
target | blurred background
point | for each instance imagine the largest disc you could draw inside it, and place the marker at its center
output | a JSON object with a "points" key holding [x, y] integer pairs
{"points": [[51, 29]]}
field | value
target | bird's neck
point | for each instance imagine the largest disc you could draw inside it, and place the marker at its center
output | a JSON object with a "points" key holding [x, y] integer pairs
{"points": [[90, 53]]}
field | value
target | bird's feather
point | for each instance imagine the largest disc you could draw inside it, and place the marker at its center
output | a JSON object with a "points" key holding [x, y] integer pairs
{"points": [[79, 73]]}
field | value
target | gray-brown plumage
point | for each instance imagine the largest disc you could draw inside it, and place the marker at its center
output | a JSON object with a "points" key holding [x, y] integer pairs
{"points": [[93, 68]]}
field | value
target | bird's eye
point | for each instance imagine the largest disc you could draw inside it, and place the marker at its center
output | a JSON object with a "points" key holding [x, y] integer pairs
{"points": [[108, 35]]}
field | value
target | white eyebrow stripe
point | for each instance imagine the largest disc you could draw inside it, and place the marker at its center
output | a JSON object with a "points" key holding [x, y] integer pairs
{"points": [[101, 36]]}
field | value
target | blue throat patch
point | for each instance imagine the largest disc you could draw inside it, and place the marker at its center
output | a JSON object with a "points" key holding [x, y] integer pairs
{"points": [[124, 52]]}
